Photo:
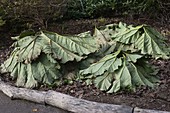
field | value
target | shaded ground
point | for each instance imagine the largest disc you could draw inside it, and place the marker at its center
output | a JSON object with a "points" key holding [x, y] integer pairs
{"points": [[21, 106], [144, 97]]}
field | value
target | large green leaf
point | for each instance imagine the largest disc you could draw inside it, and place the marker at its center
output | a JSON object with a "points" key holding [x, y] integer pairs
{"points": [[144, 38], [122, 79], [64, 48], [120, 71], [67, 48], [34, 59], [104, 82], [109, 63], [23, 34], [125, 34], [131, 75], [30, 48], [102, 40], [104, 36], [10, 64], [151, 43], [29, 75]]}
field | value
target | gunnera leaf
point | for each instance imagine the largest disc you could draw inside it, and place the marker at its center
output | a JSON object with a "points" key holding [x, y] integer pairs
{"points": [[30, 75], [132, 75], [64, 48], [104, 38], [35, 58], [23, 34], [67, 48], [120, 71], [108, 63], [30, 47], [144, 38], [104, 41]]}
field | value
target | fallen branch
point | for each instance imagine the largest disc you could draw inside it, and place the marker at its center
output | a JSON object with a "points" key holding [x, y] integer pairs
{"points": [[67, 102], [82, 106], [23, 93], [62, 101]]}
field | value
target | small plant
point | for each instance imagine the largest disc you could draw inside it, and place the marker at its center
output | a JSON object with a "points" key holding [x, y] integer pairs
{"points": [[99, 8], [1, 22], [114, 58]]}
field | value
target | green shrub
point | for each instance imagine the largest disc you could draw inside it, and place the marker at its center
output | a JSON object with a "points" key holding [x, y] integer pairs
{"points": [[89, 8], [96, 8], [32, 13], [1, 22]]}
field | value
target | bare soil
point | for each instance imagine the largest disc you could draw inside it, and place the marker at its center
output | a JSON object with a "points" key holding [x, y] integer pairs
{"points": [[158, 98]]}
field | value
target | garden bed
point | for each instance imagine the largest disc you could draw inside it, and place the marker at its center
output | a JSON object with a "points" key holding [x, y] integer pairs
{"points": [[158, 98]]}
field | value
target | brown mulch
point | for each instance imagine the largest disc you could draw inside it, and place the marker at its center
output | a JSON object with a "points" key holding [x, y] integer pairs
{"points": [[158, 98]]}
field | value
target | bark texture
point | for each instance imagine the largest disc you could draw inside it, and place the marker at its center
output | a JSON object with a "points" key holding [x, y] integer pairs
{"points": [[83, 106], [138, 110]]}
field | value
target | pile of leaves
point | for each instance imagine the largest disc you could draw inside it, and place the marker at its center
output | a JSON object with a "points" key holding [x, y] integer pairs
{"points": [[31, 14], [36, 57], [114, 58]]}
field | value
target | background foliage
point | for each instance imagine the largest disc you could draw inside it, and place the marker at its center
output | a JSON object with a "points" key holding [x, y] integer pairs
{"points": [[1, 20], [95, 8], [38, 13], [31, 13]]}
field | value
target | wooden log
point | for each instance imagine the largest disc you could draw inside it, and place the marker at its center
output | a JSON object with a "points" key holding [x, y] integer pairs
{"points": [[67, 102], [23, 93], [138, 110], [76, 105], [62, 101]]}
